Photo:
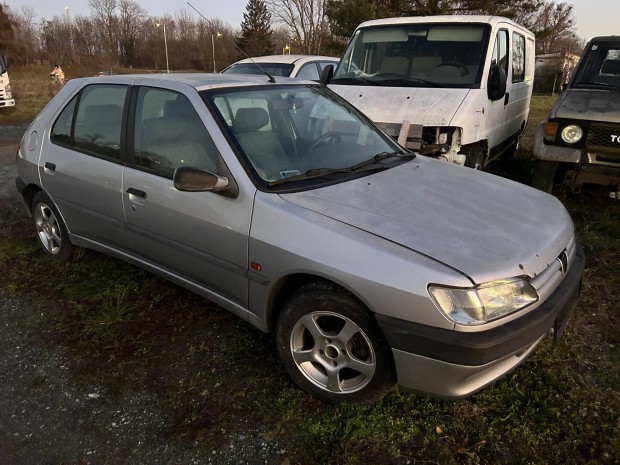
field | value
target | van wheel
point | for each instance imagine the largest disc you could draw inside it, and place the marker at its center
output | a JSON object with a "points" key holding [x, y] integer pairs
{"points": [[51, 230], [543, 177], [474, 157], [332, 347]]}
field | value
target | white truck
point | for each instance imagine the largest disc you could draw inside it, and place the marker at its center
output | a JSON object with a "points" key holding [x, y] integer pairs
{"points": [[6, 97], [452, 87]]}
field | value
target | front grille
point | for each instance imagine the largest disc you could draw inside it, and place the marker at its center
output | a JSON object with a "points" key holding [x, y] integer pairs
{"points": [[601, 138]]}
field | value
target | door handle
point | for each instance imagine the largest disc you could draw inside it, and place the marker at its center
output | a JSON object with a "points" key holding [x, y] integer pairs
{"points": [[506, 98], [49, 167], [136, 192]]}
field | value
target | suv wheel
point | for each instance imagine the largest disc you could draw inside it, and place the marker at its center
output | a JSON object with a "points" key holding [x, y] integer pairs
{"points": [[543, 177]]}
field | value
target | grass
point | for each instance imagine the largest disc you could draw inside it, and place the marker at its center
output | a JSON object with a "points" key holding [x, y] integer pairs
{"points": [[219, 377]]}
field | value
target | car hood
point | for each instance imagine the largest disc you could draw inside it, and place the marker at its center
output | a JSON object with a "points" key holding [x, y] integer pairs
{"points": [[482, 225], [588, 104], [419, 105]]}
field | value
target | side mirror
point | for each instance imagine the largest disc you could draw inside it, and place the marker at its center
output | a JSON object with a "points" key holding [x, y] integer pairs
{"points": [[188, 179], [496, 85], [326, 74]]}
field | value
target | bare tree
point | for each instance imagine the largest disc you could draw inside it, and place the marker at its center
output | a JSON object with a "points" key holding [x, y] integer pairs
{"points": [[554, 28], [56, 38], [104, 13], [306, 21], [132, 17], [25, 34]]}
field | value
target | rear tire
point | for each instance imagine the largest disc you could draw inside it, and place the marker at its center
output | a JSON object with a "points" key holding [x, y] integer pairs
{"points": [[51, 230], [332, 347]]}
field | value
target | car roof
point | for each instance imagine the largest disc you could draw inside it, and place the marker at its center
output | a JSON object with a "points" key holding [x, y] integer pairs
{"points": [[199, 81], [287, 59], [450, 19]]}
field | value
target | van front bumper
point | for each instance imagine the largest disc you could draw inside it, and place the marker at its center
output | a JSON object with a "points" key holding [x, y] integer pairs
{"points": [[456, 364]]}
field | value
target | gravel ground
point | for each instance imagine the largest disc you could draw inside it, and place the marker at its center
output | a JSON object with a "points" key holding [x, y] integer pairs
{"points": [[52, 413]]}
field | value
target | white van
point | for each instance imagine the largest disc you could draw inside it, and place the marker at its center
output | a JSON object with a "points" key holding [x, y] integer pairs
{"points": [[453, 87], [6, 97]]}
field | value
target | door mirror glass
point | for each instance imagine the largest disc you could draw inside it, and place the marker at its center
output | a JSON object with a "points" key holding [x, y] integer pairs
{"points": [[189, 179], [496, 86]]}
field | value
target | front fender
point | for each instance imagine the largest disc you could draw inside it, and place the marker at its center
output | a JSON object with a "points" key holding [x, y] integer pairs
{"points": [[544, 151]]}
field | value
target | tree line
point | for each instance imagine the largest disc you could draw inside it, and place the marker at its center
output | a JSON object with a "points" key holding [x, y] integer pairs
{"points": [[121, 33]]}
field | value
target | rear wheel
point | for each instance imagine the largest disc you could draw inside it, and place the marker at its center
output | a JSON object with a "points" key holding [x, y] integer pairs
{"points": [[332, 347], [51, 230]]}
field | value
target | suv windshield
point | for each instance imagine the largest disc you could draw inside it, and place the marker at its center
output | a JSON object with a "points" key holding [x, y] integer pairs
{"points": [[302, 133], [274, 69], [600, 67], [417, 55]]}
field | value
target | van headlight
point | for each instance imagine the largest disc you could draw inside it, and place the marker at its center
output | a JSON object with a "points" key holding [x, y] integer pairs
{"points": [[484, 303], [572, 134]]}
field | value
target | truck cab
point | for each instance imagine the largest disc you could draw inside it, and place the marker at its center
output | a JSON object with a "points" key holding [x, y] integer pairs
{"points": [[579, 142], [6, 97], [451, 87]]}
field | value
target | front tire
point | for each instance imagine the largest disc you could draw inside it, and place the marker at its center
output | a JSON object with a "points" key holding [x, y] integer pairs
{"points": [[332, 347], [543, 177], [51, 230]]}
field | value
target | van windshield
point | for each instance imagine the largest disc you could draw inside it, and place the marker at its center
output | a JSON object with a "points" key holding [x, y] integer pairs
{"points": [[600, 67], [416, 55]]}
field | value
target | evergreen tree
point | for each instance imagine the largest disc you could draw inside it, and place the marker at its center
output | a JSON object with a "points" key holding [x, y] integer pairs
{"points": [[256, 33]]}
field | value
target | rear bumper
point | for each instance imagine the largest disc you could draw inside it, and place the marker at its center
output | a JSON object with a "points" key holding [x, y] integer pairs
{"points": [[455, 364]]}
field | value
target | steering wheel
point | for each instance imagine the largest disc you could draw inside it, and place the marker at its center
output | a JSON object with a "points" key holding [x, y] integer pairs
{"points": [[456, 64], [323, 138]]}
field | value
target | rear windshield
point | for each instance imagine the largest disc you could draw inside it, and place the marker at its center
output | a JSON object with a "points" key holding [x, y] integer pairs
{"points": [[275, 69], [599, 66]]}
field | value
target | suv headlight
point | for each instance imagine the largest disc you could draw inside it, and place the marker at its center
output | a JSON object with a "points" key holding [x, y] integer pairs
{"points": [[572, 134], [484, 303]]}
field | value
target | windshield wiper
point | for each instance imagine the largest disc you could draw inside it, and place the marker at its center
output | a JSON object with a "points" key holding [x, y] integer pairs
{"points": [[407, 80], [356, 80], [360, 167]]}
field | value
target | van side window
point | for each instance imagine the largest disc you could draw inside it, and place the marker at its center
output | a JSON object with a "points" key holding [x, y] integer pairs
{"points": [[98, 121], [169, 133], [518, 57], [500, 50]]}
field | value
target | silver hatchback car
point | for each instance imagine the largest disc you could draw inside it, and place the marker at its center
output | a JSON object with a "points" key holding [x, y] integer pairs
{"points": [[287, 206]]}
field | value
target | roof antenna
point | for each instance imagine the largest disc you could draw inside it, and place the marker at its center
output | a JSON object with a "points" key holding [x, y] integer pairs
{"points": [[271, 78]]}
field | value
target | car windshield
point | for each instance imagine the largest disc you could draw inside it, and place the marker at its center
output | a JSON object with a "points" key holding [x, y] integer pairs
{"points": [[301, 133], [274, 69], [415, 55], [600, 67]]}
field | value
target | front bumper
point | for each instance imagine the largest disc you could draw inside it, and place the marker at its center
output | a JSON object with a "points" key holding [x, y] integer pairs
{"points": [[455, 364]]}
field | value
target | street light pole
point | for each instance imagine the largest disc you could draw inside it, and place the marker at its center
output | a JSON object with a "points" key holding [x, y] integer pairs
{"points": [[213, 37], [165, 45]]}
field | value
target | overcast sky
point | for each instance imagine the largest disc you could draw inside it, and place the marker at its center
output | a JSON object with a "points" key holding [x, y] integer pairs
{"points": [[594, 17]]}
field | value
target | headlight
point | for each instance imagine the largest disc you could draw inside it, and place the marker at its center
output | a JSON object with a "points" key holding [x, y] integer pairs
{"points": [[484, 303], [7, 91], [572, 134]]}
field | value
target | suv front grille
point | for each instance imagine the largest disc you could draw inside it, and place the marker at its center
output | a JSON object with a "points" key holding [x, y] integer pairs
{"points": [[601, 138]]}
